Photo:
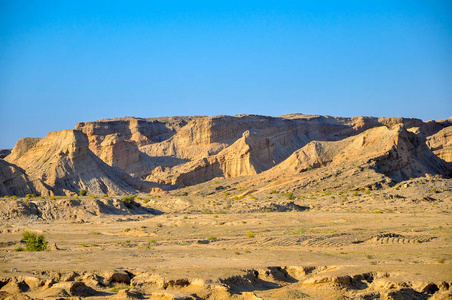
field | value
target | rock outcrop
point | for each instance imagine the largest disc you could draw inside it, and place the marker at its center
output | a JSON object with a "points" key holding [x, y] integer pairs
{"points": [[22, 146], [4, 153], [128, 154], [441, 143], [394, 152], [249, 155], [63, 162], [117, 141], [224, 146], [14, 181], [70, 210]]}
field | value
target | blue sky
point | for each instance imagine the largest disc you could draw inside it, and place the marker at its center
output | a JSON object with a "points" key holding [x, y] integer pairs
{"points": [[63, 62]]}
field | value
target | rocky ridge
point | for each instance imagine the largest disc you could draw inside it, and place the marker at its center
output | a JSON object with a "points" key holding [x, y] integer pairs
{"points": [[128, 155], [287, 282]]}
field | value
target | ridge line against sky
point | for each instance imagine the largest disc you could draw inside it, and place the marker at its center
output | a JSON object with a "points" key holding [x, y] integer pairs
{"points": [[63, 62]]}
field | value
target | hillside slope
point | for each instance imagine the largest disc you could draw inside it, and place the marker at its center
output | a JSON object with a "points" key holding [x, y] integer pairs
{"points": [[126, 155], [63, 163]]}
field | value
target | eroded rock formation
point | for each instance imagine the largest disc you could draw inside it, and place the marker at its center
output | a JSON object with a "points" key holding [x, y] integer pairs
{"points": [[63, 163], [124, 155]]}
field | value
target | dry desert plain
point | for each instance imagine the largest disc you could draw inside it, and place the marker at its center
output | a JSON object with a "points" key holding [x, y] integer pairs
{"points": [[389, 243], [230, 207]]}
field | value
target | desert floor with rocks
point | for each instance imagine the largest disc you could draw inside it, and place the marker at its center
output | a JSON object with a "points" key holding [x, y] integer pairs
{"points": [[390, 243], [230, 207]]}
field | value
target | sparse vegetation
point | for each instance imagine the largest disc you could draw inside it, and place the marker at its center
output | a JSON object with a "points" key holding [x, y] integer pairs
{"points": [[289, 196], [301, 230], [250, 234], [118, 288], [129, 201], [34, 242], [83, 192]]}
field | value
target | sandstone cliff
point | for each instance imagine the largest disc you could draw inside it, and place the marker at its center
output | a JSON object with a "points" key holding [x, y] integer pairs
{"points": [[394, 152], [117, 141], [249, 155], [441, 143], [63, 162], [217, 146], [14, 181], [129, 154], [22, 146]]}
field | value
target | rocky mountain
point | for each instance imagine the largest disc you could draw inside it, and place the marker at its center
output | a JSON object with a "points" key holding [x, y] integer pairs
{"points": [[14, 181], [62, 163], [127, 155], [441, 143], [375, 157]]}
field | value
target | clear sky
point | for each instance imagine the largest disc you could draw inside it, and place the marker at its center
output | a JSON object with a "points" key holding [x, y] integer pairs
{"points": [[63, 62]]}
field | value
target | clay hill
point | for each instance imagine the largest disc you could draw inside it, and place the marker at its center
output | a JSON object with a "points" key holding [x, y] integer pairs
{"points": [[129, 155]]}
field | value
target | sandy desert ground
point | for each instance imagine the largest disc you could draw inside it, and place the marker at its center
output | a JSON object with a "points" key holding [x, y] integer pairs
{"points": [[384, 244]]}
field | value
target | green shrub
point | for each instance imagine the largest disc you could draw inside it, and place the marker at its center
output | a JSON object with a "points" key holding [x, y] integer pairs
{"points": [[26, 235], [250, 234], [34, 242], [212, 238], [289, 196], [129, 200], [83, 192]]}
